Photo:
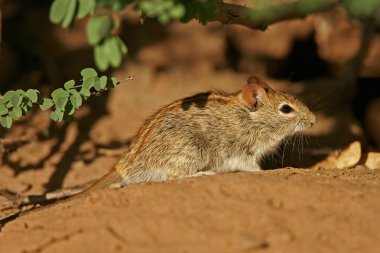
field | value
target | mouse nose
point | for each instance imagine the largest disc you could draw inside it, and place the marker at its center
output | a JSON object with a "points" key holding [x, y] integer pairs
{"points": [[313, 120]]}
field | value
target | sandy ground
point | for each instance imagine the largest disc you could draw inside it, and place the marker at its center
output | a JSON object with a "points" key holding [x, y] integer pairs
{"points": [[285, 210]]}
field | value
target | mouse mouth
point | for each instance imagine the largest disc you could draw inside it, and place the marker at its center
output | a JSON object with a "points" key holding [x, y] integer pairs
{"points": [[305, 123], [302, 127]]}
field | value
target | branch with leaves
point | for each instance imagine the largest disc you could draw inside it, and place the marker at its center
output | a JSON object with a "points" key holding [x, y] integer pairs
{"points": [[109, 49], [103, 23], [63, 102]]}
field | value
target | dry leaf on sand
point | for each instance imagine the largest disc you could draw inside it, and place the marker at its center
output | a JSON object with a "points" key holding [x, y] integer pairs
{"points": [[371, 160], [346, 158]]}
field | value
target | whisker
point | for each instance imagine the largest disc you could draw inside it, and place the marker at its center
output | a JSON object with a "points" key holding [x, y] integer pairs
{"points": [[283, 151], [291, 75], [323, 107], [283, 154], [323, 96], [306, 138], [294, 140], [299, 144], [317, 142]]}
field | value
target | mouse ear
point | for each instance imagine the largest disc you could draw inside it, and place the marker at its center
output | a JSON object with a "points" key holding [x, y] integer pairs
{"points": [[255, 90], [258, 81]]}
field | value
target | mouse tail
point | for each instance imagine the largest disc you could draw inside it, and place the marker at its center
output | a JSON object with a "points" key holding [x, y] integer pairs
{"points": [[112, 177]]}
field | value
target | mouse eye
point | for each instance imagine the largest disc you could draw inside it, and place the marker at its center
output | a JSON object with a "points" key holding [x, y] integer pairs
{"points": [[286, 109]]}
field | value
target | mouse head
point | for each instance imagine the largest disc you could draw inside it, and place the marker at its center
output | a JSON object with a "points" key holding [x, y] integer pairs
{"points": [[282, 114]]}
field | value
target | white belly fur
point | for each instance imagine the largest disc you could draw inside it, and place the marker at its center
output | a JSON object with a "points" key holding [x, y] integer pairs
{"points": [[237, 163]]}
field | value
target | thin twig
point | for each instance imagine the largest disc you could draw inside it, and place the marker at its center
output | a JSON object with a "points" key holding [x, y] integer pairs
{"points": [[14, 200], [130, 78]]}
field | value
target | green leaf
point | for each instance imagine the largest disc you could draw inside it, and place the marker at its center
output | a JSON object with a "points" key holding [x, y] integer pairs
{"points": [[88, 83], [57, 11], [113, 51], [101, 58], [32, 95], [6, 121], [3, 110], [16, 100], [114, 81], [61, 101], [88, 72], [177, 11], [103, 82], [164, 18], [120, 4], [71, 8], [46, 104], [85, 7], [59, 114], [97, 84], [12, 115], [78, 100], [56, 115], [20, 92], [60, 97], [56, 91], [7, 96], [69, 85], [14, 96], [122, 46], [84, 92], [98, 27], [21, 95], [75, 99], [15, 113]]}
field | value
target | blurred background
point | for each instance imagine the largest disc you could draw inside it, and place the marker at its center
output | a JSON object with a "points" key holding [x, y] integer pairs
{"points": [[329, 60]]}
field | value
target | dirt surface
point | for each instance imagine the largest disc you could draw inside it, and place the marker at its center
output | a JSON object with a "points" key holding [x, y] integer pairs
{"points": [[281, 210], [287, 210]]}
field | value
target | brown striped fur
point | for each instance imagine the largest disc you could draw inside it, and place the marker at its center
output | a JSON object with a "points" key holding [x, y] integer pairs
{"points": [[211, 131]]}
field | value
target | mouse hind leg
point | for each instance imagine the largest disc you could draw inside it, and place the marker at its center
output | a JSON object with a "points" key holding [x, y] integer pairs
{"points": [[192, 157], [169, 158]]}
